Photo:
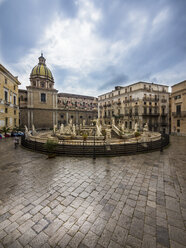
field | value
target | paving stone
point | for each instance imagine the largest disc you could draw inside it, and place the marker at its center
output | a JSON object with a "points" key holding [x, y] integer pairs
{"points": [[148, 241], [64, 241], [138, 202], [119, 235], [75, 241], [177, 235], [163, 236], [90, 239], [39, 240], [27, 237], [25, 226]]}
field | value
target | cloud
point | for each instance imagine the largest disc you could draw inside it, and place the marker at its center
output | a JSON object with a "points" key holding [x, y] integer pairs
{"points": [[91, 46]]}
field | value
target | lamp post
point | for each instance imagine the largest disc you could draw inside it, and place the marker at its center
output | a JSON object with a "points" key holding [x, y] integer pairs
{"points": [[94, 152]]}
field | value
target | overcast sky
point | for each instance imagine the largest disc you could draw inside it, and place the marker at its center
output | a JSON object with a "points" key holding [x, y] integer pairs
{"points": [[93, 45]]}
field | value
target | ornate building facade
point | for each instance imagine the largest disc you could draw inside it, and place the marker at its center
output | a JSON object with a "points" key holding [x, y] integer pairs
{"points": [[43, 107], [178, 109], [137, 103], [9, 106]]}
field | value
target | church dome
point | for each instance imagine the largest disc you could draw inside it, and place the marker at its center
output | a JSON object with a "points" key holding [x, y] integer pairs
{"points": [[41, 69]]}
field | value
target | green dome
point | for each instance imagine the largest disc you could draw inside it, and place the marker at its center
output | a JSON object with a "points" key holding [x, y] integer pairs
{"points": [[41, 69]]}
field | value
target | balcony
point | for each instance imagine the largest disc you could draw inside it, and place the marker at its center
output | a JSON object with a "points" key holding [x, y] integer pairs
{"points": [[163, 100], [7, 103], [163, 124], [118, 103], [179, 114], [164, 114], [150, 114], [109, 105], [150, 99]]}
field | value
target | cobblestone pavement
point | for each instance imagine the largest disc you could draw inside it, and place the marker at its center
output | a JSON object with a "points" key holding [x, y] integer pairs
{"points": [[130, 201]]}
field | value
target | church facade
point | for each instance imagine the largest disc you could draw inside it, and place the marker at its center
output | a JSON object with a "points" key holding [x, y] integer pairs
{"points": [[42, 106]]}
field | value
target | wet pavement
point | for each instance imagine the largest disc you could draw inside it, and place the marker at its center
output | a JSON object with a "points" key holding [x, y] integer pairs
{"points": [[129, 201]]}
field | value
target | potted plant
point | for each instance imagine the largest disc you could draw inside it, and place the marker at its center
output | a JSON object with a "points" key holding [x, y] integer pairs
{"points": [[85, 136], [137, 134], [50, 145], [5, 130]]}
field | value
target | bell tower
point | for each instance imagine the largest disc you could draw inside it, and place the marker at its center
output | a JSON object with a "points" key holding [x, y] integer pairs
{"points": [[42, 97]]}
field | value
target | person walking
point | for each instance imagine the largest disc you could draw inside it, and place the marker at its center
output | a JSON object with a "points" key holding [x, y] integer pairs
{"points": [[16, 141]]}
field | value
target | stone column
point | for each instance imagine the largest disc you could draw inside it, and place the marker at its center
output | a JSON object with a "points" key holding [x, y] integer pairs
{"points": [[28, 119], [67, 117]]}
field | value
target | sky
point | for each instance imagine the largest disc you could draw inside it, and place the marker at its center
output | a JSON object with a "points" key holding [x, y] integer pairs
{"points": [[91, 46]]}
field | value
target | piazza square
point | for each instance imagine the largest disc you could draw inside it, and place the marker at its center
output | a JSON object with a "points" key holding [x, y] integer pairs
{"points": [[92, 124]]}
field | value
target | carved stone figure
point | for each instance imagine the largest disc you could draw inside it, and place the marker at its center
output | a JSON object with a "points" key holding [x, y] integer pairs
{"points": [[55, 129], [108, 133], [70, 122], [84, 122], [136, 127], [74, 130], [62, 129], [146, 128], [113, 121], [33, 130]]}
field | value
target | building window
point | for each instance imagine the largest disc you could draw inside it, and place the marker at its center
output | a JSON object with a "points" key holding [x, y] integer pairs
{"points": [[178, 123], [125, 90], [14, 112], [126, 124], [130, 125], [14, 100], [6, 96], [42, 85], [14, 87], [89, 117], [43, 97], [6, 121], [119, 92], [72, 116], [178, 130], [150, 111], [81, 117], [145, 110], [61, 116], [150, 103], [177, 97], [6, 110], [178, 109], [130, 89], [15, 122], [5, 80]]}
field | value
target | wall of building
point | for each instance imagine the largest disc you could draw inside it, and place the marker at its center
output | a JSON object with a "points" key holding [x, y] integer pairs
{"points": [[141, 102], [9, 108], [178, 118]]}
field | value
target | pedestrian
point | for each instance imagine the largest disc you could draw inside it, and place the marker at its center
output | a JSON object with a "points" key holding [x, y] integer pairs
{"points": [[16, 141]]}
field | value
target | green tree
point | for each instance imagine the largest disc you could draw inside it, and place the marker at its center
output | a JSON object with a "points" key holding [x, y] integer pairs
{"points": [[5, 130]]}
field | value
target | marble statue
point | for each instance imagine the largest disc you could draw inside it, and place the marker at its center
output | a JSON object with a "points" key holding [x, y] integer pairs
{"points": [[70, 122], [146, 128], [74, 130], [33, 130], [62, 129], [84, 122], [108, 133], [113, 121], [136, 127], [55, 128]]}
